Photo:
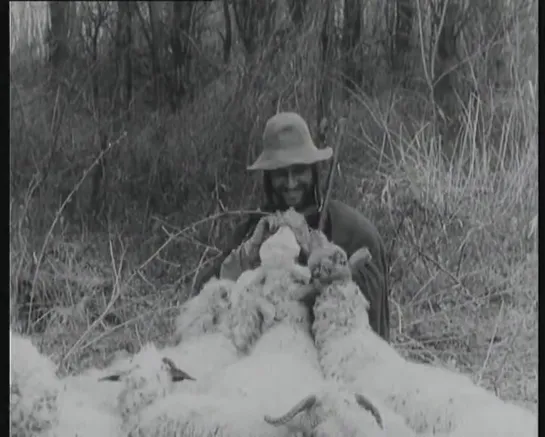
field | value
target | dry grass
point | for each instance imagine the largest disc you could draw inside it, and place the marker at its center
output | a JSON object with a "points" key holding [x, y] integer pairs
{"points": [[458, 214]]}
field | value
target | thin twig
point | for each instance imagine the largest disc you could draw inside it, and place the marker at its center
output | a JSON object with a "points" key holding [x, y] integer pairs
{"points": [[58, 215], [116, 293]]}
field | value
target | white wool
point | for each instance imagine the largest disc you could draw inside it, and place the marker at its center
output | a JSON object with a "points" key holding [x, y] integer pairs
{"points": [[201, 344], [267, 320], [282, 246], [274, 380], [33, 388], [41, 405], [431, 399], [224, 403], [205, 312], [204, 415], [492, 417], [265, 310], [103, 396], [204, 355], [78, 416], [149, 378], [274, 331]]}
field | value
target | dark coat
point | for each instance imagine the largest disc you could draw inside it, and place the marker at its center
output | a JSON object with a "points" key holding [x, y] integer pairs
{"points": [[349, 229]]}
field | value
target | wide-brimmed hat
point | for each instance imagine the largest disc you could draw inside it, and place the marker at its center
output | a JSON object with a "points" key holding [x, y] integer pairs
{"points": [[287, 141]]}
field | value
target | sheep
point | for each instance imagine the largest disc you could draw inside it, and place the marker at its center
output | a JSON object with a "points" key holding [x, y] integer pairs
{"points": [[431, 399], [200, 341], [273, 330], [265, 310], [288, 376], [33, 387], [104, 396], [151, 376], [204, 415], [275, 338], [202, 314], [41, 405], [328, 412]]}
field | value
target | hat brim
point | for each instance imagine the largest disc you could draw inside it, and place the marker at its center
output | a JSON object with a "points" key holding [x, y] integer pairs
{"points": [[267, 162]]}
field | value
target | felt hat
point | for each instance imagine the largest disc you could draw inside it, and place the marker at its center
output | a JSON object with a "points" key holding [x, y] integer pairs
{"points": [[287, 141]]}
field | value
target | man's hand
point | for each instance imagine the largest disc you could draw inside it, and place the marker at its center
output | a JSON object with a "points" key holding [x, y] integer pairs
{"points": [[246, 256]]}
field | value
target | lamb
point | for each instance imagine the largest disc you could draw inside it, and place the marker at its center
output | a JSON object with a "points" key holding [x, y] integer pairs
{"points": [[41, 405], [431, 399]]}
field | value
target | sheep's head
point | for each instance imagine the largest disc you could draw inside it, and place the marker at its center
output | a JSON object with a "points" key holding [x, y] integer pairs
{"points": [[206, 311], [280, 248], [34, 388], [328, 264], [332, 413], [149, 377], [298, 224]]}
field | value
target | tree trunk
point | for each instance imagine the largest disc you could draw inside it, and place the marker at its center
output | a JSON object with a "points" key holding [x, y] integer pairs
{"points": [[352, 74], [255, 23], [228, 40], [403, 30], [58, 33], [297, 11], [328, 83], [124, 36], [154, 43], [446, 53], [181, 31]]}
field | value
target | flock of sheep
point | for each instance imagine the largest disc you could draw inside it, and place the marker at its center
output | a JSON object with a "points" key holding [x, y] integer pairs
{"points": [[254, 365]]}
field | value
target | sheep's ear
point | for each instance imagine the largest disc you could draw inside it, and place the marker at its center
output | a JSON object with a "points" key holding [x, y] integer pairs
{"points": [[303, 405], [115, 377], [306, 293], [368, 405], [175, 372], [362, 255]]}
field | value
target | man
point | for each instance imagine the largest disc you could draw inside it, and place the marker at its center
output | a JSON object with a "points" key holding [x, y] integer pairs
{"points": [[289, 162]]}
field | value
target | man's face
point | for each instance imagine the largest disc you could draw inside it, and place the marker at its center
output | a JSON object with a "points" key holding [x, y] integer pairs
{"points": [[292, 183]]}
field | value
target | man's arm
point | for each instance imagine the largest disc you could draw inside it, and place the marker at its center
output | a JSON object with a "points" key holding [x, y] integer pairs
{"points": [[215, 267], [206, 273], [241, 255], [371, 278]]}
